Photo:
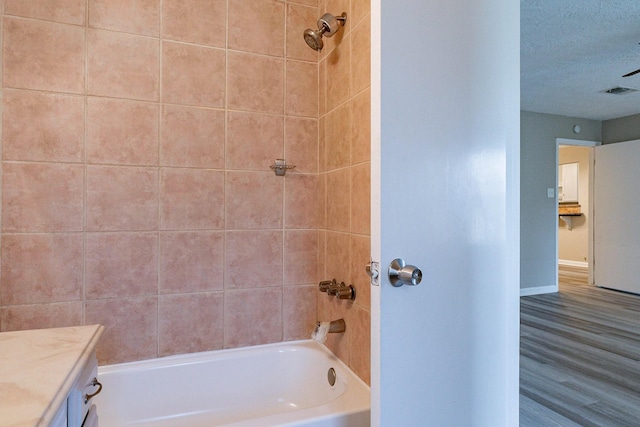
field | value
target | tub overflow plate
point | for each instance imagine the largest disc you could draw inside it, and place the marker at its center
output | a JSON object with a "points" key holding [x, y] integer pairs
{"points": [[331, 376]]}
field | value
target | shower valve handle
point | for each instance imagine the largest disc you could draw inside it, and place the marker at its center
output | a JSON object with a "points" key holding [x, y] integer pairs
{"points": [[324, 285], [334, 288], [347, 292]]}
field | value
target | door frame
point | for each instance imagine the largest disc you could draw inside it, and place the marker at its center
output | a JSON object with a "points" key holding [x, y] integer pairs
{"points": [[590, 206]]}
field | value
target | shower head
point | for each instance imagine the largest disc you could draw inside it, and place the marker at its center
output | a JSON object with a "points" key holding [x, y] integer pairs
{"points": [[328, 25], [314, 38]]}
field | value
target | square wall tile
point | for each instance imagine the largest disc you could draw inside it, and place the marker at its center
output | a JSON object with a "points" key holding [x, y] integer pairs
{"points": [[191, 261], [121, 265], [254, 140], [339, 344], [190, 323], [337, 137], [193, 75], [192, 137], [360, 343], [322, 88], [299, 18], [257, 26], [360, 256], [361, 129], [201, 22], [322, 144], [41, 316], [322, 255], [361, 199], [359, 10], [42, 127], [301, 143], [138, 17], [300, 257], [41, 268], [191, 199], [302, 89], [65, 11], [253, 200], [361, 57], [255, 83], [299, 312], [43, 55], [122, 198], [122, 132], [338, 65], [307, 2], [253, 259], [131, 328], [123, 65], [252, 317], [301, 201], [337, 256], [41, 197], [339, 200], [322, 201]]}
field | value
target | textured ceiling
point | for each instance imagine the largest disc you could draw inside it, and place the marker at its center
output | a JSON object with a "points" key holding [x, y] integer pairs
{"points": [[572, 50]]}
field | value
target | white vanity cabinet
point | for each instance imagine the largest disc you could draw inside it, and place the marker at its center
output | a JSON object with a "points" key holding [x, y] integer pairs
{"points": [[74, 411], [47, 377]]}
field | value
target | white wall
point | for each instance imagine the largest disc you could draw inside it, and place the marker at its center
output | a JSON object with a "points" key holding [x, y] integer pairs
{"points": [[538, 220], [621, 129]]}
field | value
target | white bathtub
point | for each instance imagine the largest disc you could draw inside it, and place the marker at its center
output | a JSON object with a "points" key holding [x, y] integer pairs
{"points": [[282, 384]]}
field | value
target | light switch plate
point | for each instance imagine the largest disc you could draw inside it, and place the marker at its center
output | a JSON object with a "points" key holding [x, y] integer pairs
{"points": [[550, 193]]}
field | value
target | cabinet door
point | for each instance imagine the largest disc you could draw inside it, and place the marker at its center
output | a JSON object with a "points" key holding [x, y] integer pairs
{"points": [[568, 182], [60, 420], [92, 418], [77, 407]]}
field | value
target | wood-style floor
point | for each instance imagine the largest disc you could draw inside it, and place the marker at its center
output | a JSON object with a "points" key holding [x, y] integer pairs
{"points": [[580, 356]]}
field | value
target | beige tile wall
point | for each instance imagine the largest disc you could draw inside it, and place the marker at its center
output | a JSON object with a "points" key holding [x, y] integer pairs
{"points": [[137, 138], [344, 111], [136, 190]]}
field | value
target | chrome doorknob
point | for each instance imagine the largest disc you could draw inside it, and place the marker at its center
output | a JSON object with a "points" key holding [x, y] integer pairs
{"points": [[402, 274]]}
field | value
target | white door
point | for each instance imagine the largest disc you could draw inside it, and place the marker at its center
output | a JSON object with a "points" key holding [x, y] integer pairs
{"points": [[445, 198], [616, 208]]}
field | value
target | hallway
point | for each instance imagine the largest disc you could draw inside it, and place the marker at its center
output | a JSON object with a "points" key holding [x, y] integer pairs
{"points": [[580, 356]]}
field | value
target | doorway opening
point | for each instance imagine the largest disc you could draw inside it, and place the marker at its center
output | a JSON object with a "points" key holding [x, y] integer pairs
{"points": [[574, 204]]}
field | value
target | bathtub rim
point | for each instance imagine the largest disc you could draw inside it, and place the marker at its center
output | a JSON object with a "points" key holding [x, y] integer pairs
{"points": [[356, 403], [227, 353]]}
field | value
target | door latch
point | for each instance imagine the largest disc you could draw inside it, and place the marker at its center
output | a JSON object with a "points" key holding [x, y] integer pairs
{"points": [[373, 270]]}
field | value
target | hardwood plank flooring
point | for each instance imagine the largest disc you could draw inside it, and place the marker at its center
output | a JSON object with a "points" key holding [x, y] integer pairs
{"points": [[580, 356]]}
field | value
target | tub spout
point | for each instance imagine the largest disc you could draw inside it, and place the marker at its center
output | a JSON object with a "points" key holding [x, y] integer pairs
{"points": [[325, 328], [335, 327]]}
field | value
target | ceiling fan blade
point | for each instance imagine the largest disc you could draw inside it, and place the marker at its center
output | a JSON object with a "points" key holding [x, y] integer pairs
{"points": [[632, 73]]}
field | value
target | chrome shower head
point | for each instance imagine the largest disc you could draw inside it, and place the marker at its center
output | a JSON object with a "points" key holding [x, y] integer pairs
{"points": [[328, 25], [314, 38]]}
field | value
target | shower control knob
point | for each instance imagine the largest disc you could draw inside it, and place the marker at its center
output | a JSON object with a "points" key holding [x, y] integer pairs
{"points": [[402, 274], [347, 292], [334, 288], [324, 285]]}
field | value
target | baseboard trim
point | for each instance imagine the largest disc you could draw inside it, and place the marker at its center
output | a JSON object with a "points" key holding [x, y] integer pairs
{"points": [[569, 263], [538, 290]]}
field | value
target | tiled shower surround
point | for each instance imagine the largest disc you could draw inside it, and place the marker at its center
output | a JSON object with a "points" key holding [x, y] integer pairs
{"points": [[136, 191]]}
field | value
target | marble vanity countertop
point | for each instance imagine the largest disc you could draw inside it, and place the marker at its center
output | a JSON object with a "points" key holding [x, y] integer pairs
{"points": [[37, 370]]}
